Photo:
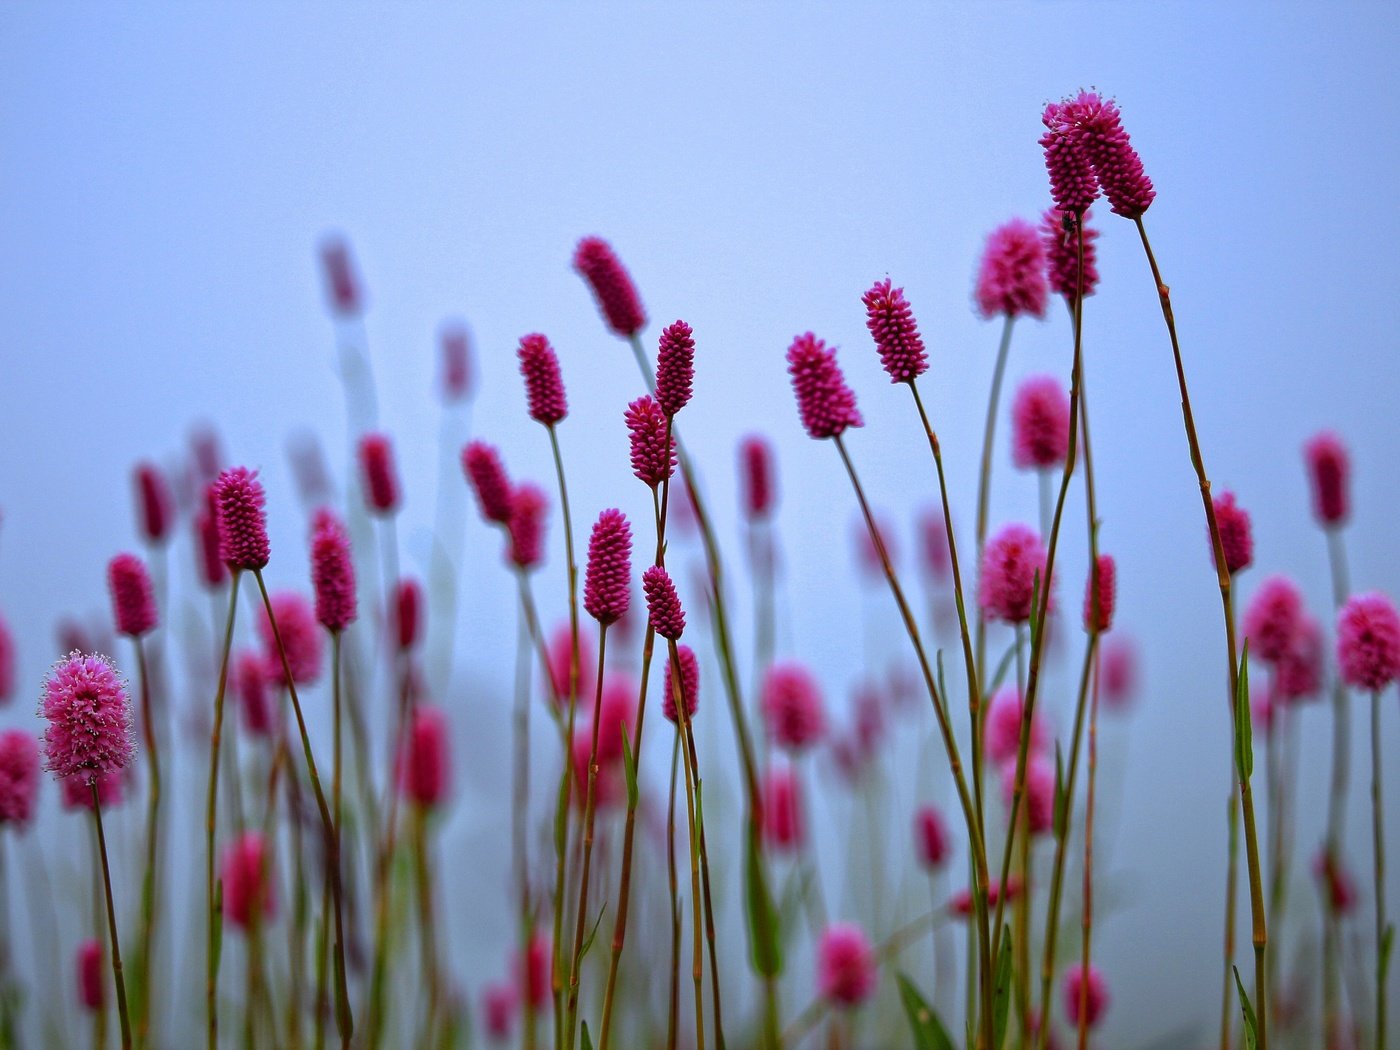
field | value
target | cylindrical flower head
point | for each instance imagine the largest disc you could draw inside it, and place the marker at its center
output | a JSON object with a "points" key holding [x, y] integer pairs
{"points": [[615, 712], [931, 838], [1329, 470], [1298, 674], [1236, 533], [664, 610], [343, 292], [1039, 424], [1368, 641], [208, 560], [781, 809], [675, 367], [1272, 617], [607, 586], [845, 965], [757, 478], [332, 572], [1010, 563], [19, 777], [1107, 592], [7, 663], [1011, 278], [653, 452], [1062, 254], [89, 714], [1003, 732], [301, 639], [425, 767], [408, 612], [792, 707], [826, 404], [482, 465], [608, 788], [76, 793], [499, 1002], [533, 971], [455, 373], [378, 474], [1088, 986], [690, 684], [1117, 165], [153, 503], [243, 540], [560, 646], [91, 973], [612, 286], [133, 597], [250, 890], [1038, 802], [1072, 183], [529, 505], [250, 685], [896, 334], [544, 385]]}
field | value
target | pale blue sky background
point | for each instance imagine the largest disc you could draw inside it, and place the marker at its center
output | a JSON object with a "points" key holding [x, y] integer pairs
{"points": [[168, 171]]}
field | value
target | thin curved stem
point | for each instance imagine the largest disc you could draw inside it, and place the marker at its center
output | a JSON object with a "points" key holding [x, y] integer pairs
{"points": [[211, 811], [149, 895], [111, 919]]}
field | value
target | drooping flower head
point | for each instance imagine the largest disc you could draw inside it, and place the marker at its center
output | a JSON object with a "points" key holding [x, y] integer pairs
{"points": [[544, 385], [154, 503], [378, 474], [1038, 802], [613, 289], [781, 809], [690, 684], [607, 586], [425, 765], [1236, 533], [1117, 166], [249, 682], [301, 639], [845, 965], [1102, 604], [91, 975], [455, 362], [1073, 185], [675, 367], [1061, 242], [86, 704], [1088, 987], [243, 540], [19, 777], [1272, 617], [931, 838], [1329, 471], [653, 449], [1011, 277], [250, 890], [664, 610], [332, 572], [482, 465], [757, 478], [1011, 562], [529, 505], [133, 597], [1368, 641], [343, 292], [826, 404], [792, 707], [1003, 732], [896, 334], [1039, 424]]}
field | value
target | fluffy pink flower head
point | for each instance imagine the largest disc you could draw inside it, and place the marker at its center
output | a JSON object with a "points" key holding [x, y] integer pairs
{"points": [[1062, 254], [243, 540], [533, 971], [332, 572], [208, 559], [529, 505], [653, 449], [826, 404], [133, 597], [89, 714], [425, 765], [757, 479], [1086, 988], [1010, 563], [408, 612], [664, 610], [1236, 533], [1118, 672], [343, 292], [613, 289], [1271, 618], [607, 585], [92, 990], [1003, 732], [154, 504], [455, 357], [250, 685], [1072, 182], [482, 465], [1038, 802], [559, 651], [616, 708], [378, 474], [792, 707], [781, 809], [499, 1002], [1298, 673], [1117, 165], [1107, 576], [675, 367], [931, 838], [19, 777], [301, 639], [690, 684], [1011, 277], [76, 793], [845, 965], [544, 385], [1368, 641], [7, 662], [1329, 471], [250, 890], [1039, 424], [896, 334]]}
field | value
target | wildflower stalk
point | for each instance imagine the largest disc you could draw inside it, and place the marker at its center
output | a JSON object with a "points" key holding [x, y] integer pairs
{"points": [[111, 919], [1336, 800], [1378, 867], [296, 929], [1087, 919], [1231, 895], [427, 939], [148, 883], [672, 1017], [337, 806], [691, 787], [520, 803], [214, 933], [984, 488]]}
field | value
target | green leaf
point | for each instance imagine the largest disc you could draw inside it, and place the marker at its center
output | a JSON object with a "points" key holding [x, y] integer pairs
{"points": [[1251, 1029], [587, 1039], [929, 1033], [1244, 733], [629, 768], [591, 934], [1061, 819], [1001, 990], [1387, 943], [765, 951]]}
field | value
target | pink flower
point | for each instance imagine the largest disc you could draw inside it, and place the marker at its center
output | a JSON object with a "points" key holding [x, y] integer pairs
{"points": [[1003, 731], [1107, 576], [1072, 182], [1368, 641], [664, 610], [1236, 534], [1062, 254], [250, 684], [675, 367], [1337, 883], [1038, 802], [209, 560], [89, 714], [249, 886], [529, 505], [1116, 163], [301, 641], [378, 475], [1089, 986], [343, 290], [615, 711], [7, 662], [455, 376], [544, 385], [1298, 674], [208, 456], [332, 572], [499, 1003], [153, 503], [1011, 561], [845, 965], [891, 324], [242, 520], [931, 838], [482, 465], [92, 989], [757, 478], [425, 764], [1329, 470], [824, 401], [1271, 619], [408, 612], [133, 598], [533, 971], [653, 448], [690, 684], [19, 777], [560, 644], [1011, 278], [607, 586], [781, 809], [792, 707], [1261, 710], [1118, 672], [1039, 424], [76, 793], [612, 286], [608, 787]]}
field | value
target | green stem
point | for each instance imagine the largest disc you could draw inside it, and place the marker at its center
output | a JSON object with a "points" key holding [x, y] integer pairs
{"points": [[111, 919], [1378, 853], [212, 895], [148, 885]]}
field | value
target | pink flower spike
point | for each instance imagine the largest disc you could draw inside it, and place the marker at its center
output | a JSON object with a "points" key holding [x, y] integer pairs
{"points": [[931, 838], [1368, 642], [250, 685], [89, 714], [154, 503], [1087, 985], [616, 295], [533, 971], [615, 714], [19, 777], [529, 505], [690, 684], [250, 887], [896, 334], [1329, 471], [243, 540], [757, 477], [1118, 672], [544, 385], [455, 375], [1038, 802], [7, 663], [212, 571], [845, 965], [133, 597], [378, 474], [482, 465], [1236, 533], [1072, 182], [664, 610], [1108, 590], [1011, 562], [560, 643], [296, 625], [1116, 163], [1003, 732], [1039, 424], [343, 291], [675, 367], [824, 401], [1062, 254], [499, 1002], [653, 452], [792, 707], [408, 612], [781, 809], [92, 991], [425, 766], [1272, 618], [1298, 674], [607, 586], [1011, 277], [608, 789], [332, 572]]}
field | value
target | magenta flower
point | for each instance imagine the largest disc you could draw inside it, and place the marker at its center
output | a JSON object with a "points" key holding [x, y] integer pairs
{"points": [[690, 684], [544, 385], [1368, 641], [482, 465], [456, 373], [675, 367], [558, 649], [1003, 732], [1117, 165], [533, 971], [209, 561], [154, 503], [1011, 561], [1236, 533], [243, 540], [1088, 984], [824, 401], [332, 572], [961, 902], [792, 707], [781, 809], [1062, 254], [250, 888], [249, 681], [1272, 618], [76, 793], [1337, 882], [301, 640], [408, 612], [343, 291], [931, 838], [892, 326], [1298, 673], [92, 989], [1038, 803], [1329, 471], [133, 597], [89, 714], [608, 788], [378, 474], [845, 965], [615, 710], [664, 610], [1072, 182], [653, 449], [425, 764], [607, 586], [499, 1002], [1011, 277], [613, 289], [529, 505], [1108, 590], [1039, 424], [757, 478], [7, 662], [19, 777]]}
